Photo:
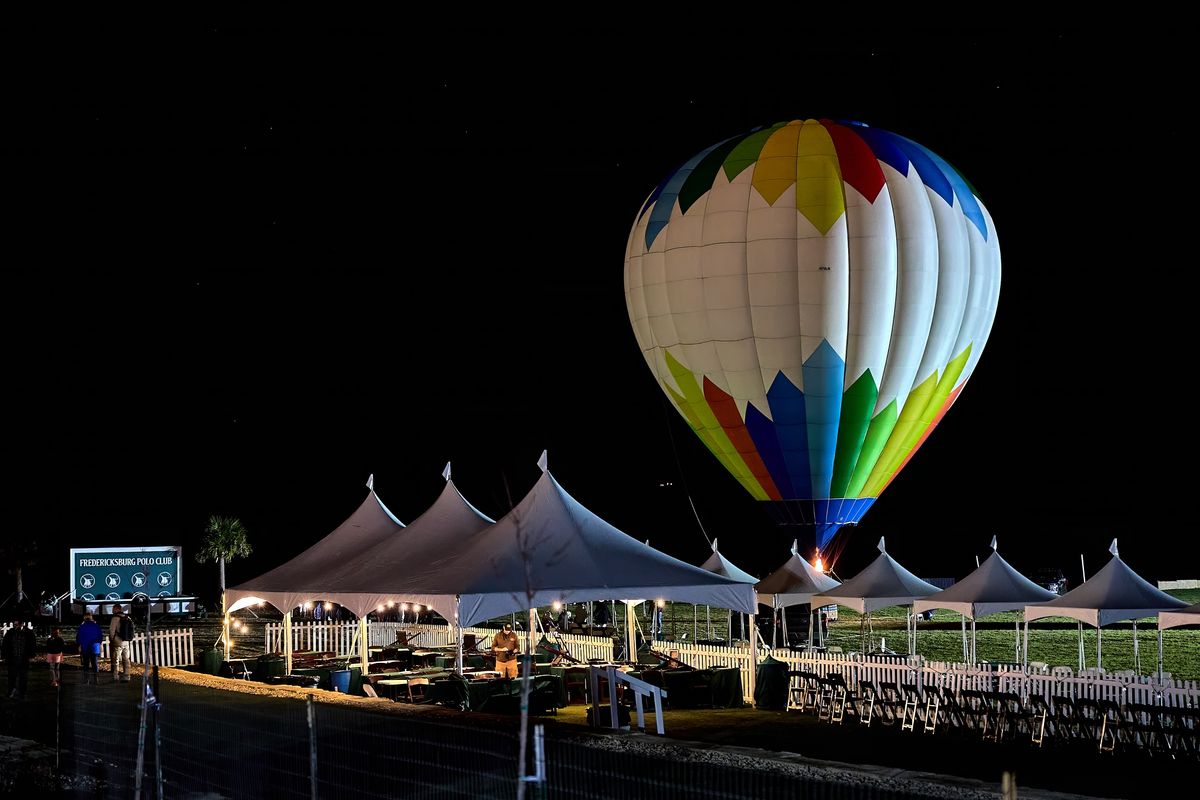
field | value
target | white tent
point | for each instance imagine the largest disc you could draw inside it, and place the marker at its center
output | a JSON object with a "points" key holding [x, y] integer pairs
{"points": [[882, 584], [794, 584], [293, 583], [720, 565], [1175, 619], [1114, 594], [551, 548], [993, 587]]}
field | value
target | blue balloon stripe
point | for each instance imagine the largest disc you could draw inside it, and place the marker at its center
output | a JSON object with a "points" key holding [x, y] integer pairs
{"points": [[788, 408], [766, 442], [824, 383], [661, 214]]}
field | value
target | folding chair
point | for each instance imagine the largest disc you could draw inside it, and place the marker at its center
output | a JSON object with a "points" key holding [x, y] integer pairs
{"points": [[908, 720], [889, 695], [933, 704], [1039, 717], [866, 693]]}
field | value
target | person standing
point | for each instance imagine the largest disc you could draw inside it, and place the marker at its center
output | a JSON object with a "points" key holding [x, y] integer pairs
{"points": [[54, 656], [506, 645], [18, 646], [120, 635], [89, 637]]}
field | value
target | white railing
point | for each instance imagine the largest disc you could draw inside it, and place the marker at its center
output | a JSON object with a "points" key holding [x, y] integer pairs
{"points": [[339, 637], [172, 648], [4, 628], [336, 637], [640, 689]]}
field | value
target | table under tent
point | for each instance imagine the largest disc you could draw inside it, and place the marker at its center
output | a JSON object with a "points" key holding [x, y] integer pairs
{"points": [[794, 584], [994, 586], [882, 584], [1114, 594]]}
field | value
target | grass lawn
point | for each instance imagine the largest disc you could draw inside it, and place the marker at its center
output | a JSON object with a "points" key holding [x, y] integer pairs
{"points": [[1054, 640]]}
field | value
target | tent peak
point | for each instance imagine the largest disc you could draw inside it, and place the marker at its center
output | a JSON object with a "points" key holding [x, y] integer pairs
{"points": [[714, 545], [1112, 548], [795, 547], [993, 542], [882, 549], [371, 481], [543, 462], [446, 472]]}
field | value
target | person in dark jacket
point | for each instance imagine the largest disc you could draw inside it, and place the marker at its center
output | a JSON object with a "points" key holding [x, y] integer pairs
{"points": [[18, 646], [89, 637]]}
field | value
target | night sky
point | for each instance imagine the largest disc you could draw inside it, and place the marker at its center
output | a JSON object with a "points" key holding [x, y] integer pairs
{"points": [[247, 269]]}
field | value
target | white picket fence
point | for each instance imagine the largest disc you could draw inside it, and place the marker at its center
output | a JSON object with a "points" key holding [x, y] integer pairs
{"points": [[341, 638], [172, 648]]}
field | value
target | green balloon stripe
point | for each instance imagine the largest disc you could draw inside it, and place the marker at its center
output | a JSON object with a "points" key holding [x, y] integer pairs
{"points": [[747, 150], [877, 437], [857, 404]]}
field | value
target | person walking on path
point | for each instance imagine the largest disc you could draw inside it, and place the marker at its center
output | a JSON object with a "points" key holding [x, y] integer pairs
{"points": [[54, 656], [89, 637], [18, 646], [120, 635]]}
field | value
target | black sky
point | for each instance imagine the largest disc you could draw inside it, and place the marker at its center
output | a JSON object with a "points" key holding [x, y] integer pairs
{"points": [[247, 268]]}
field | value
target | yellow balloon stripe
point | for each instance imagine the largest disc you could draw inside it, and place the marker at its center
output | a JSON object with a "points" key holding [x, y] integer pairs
{"points": [[776, 167], [704, 422], [929, 399], [820, 196]]}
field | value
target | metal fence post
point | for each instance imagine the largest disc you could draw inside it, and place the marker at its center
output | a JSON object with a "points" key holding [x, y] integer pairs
{"points": [[312, 747]]}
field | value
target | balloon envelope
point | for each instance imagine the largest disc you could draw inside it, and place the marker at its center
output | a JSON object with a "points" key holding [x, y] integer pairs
{"points": [[812, 297]]}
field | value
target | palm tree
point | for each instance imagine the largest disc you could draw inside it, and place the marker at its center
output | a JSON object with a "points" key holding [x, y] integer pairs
{"points": [[225, 539], [17, 555]]}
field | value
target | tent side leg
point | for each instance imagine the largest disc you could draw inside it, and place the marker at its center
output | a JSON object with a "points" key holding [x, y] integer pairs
{"points": [[458, 655], [753, 655], [287, 642], [363, 650]]}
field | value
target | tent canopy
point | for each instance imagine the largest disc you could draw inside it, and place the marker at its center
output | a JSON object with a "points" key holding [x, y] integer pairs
{"points": [[1184, 616], [550, 547], [794, 583], [1113, 594], [994, 586], [720, 565], [883, 583], [286, 586]]}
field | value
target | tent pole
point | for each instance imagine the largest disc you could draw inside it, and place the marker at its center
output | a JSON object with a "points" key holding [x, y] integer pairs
{"points": [[287, 641], [753, 654], [1017, 643], [974, 642], [811, 615], [783, 616], [363, 653], [695, 622], [1099, 645], [1081, 647], [1025, 649], [1160, 663], [1137, 660], [963, 619], [458, 655], [533, 620], [728, 626], [630, 637], [708, 620]]}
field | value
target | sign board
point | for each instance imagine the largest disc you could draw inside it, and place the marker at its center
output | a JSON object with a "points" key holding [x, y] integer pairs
{"points": [[123, 573]]}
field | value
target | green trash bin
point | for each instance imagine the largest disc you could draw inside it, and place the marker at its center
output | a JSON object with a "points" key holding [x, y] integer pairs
{"points": [[269, 666], [210, 661], [771, 685]]}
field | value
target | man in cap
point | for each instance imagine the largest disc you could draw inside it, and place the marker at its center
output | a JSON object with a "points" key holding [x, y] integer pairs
{"points": [[506, 645]]}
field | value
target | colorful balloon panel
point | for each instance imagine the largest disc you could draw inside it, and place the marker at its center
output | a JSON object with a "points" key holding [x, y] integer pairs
{"points": [[812, 297]]}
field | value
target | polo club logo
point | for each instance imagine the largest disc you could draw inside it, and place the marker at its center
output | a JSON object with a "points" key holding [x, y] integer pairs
{"points": [[139, 579], [164, 579], [89, 596], [164, 593], [112, 596], [87, 581], [112, 580]]}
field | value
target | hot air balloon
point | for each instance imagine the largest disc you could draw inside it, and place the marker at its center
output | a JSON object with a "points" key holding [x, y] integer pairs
{"points": [[812, 297]]}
